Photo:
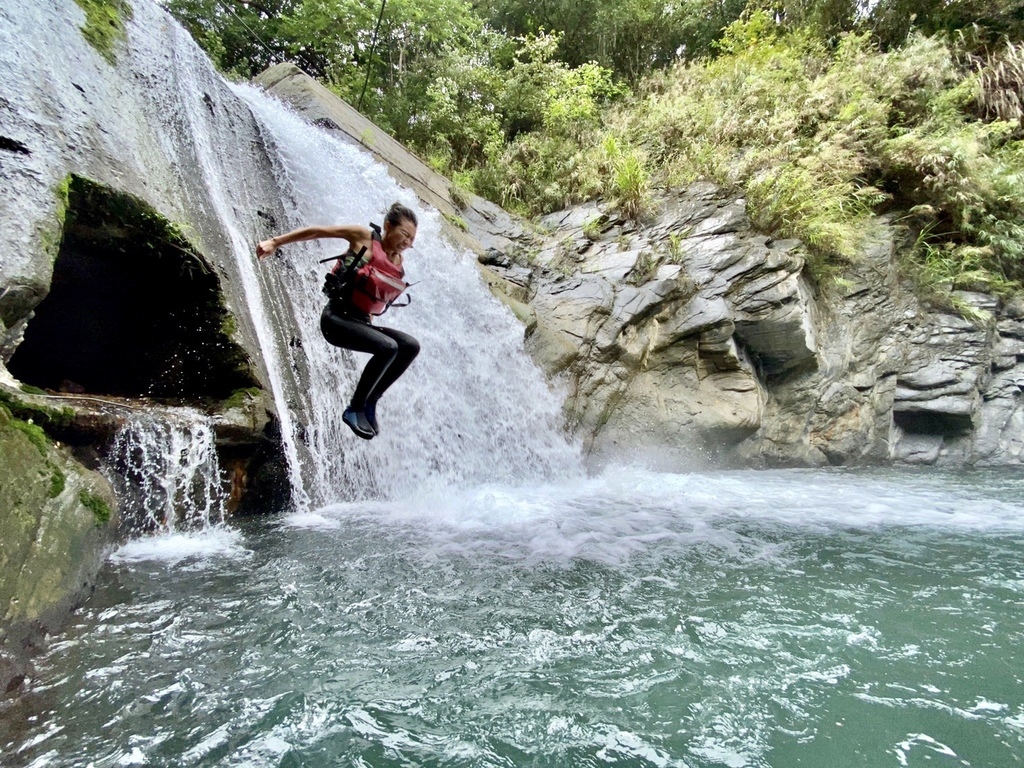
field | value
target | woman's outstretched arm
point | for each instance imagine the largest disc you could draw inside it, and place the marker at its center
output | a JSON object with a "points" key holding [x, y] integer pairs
{"points": [[357, 236]]}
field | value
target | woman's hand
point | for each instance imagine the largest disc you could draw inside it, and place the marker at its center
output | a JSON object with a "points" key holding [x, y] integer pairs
{"points": [[265, 247]]}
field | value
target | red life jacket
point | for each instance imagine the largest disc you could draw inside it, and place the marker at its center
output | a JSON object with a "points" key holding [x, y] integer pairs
{"points": [[376, 283]]}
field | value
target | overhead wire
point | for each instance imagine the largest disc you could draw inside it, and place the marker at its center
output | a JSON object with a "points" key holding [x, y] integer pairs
{"points": [[275, 58], [369, 60], [229, 9]]}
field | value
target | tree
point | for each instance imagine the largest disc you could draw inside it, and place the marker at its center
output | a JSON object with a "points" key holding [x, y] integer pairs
{"points": [[630, 37], [983, 22], [245, 37]]}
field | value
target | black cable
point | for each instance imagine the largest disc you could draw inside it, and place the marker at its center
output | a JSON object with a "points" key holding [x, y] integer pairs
{"points": [[229, 9], [373, 47]]}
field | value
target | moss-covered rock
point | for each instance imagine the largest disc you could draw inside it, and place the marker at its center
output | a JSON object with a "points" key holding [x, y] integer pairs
{"points": [[57, 524], [104, 24]]}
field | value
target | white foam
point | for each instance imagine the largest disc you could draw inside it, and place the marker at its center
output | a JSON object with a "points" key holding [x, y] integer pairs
{"points": [[622, 512], [314, 520], [174, 548]]}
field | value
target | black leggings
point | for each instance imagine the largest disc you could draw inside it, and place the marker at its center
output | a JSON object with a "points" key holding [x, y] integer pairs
{"points": [[393, 352]]}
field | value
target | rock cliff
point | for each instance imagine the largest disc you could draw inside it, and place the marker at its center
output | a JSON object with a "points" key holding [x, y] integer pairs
{"points": [[695, 336], [118, 279], [57, 524]]}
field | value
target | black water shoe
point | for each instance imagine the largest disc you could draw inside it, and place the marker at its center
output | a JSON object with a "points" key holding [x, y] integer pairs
{"points": [[357, 423], [370, 412]]}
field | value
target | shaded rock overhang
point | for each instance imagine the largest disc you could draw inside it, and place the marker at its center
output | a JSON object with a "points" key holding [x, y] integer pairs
{"points": [[133, 310]]}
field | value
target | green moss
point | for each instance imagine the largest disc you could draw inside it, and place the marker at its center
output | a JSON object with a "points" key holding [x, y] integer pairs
{"points": [[57, 483], [456, 221], [111, 213], [104, 24], [96, 505], [63, 193], [34, 433], [126, 228], [241, 397], [51, 233], [40, 414], [229, 326], [28, 389]]}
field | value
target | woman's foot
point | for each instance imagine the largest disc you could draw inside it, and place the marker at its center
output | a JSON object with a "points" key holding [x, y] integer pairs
{"points": [[357, 422]]}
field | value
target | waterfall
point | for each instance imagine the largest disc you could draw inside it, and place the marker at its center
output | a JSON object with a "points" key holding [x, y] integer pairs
{"points": [[166, 464], [472, 409], [218, 158]]}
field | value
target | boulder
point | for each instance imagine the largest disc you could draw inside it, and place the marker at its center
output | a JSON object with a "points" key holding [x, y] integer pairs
{"points": [[57, 525]]}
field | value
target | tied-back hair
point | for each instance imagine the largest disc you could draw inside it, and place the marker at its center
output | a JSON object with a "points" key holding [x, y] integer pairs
{"points": [[398, 213]]}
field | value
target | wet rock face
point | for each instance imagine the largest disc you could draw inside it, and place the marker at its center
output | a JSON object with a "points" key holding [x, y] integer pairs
{"points": [[145, 127], [667, 332], [693, 335], [52, 508], [135, 290]]}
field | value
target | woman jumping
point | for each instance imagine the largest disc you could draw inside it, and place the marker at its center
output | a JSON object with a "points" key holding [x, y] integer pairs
{"points": [[365, 286]]}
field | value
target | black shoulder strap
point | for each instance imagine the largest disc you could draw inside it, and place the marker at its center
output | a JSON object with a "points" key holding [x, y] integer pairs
{"points": [[376, 232], [358, 256]]}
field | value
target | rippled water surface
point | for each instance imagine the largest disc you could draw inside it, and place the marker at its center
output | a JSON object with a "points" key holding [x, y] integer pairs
{"points": [[799, 618]]}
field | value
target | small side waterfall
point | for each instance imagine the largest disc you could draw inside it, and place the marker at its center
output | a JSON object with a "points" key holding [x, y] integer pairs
{"points": [[166, 463]]}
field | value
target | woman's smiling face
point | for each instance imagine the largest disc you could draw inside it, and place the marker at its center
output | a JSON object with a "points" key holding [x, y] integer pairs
{"points": [[399, 237]]}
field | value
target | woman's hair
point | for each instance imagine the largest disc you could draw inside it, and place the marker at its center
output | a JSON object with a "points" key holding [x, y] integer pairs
{"points": [[398, 213]]}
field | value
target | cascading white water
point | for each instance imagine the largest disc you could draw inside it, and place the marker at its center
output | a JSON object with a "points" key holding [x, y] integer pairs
{"points": [[472, 408], [213, 156], [818, 617], [167, 462]]}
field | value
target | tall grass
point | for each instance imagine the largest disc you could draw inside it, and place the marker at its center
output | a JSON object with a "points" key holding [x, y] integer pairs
{"points": [[819, 139]]}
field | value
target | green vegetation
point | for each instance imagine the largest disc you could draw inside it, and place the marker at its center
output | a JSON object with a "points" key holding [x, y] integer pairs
{"points": [[820, 114], [100, 509], [229, 325], [51, 233], [643, 270], [57, 483], [241, 398], [456, 221], [104, 24], [38, 437], [109, 214], [38, 414], [34, 433], [592, 228]]}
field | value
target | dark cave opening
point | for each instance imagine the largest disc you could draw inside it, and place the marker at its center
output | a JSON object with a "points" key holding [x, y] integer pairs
{"points": [[933, 423], [133, 309]]}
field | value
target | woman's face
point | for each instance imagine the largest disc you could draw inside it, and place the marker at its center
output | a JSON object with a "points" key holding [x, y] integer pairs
{"points": [[400, 236]]}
